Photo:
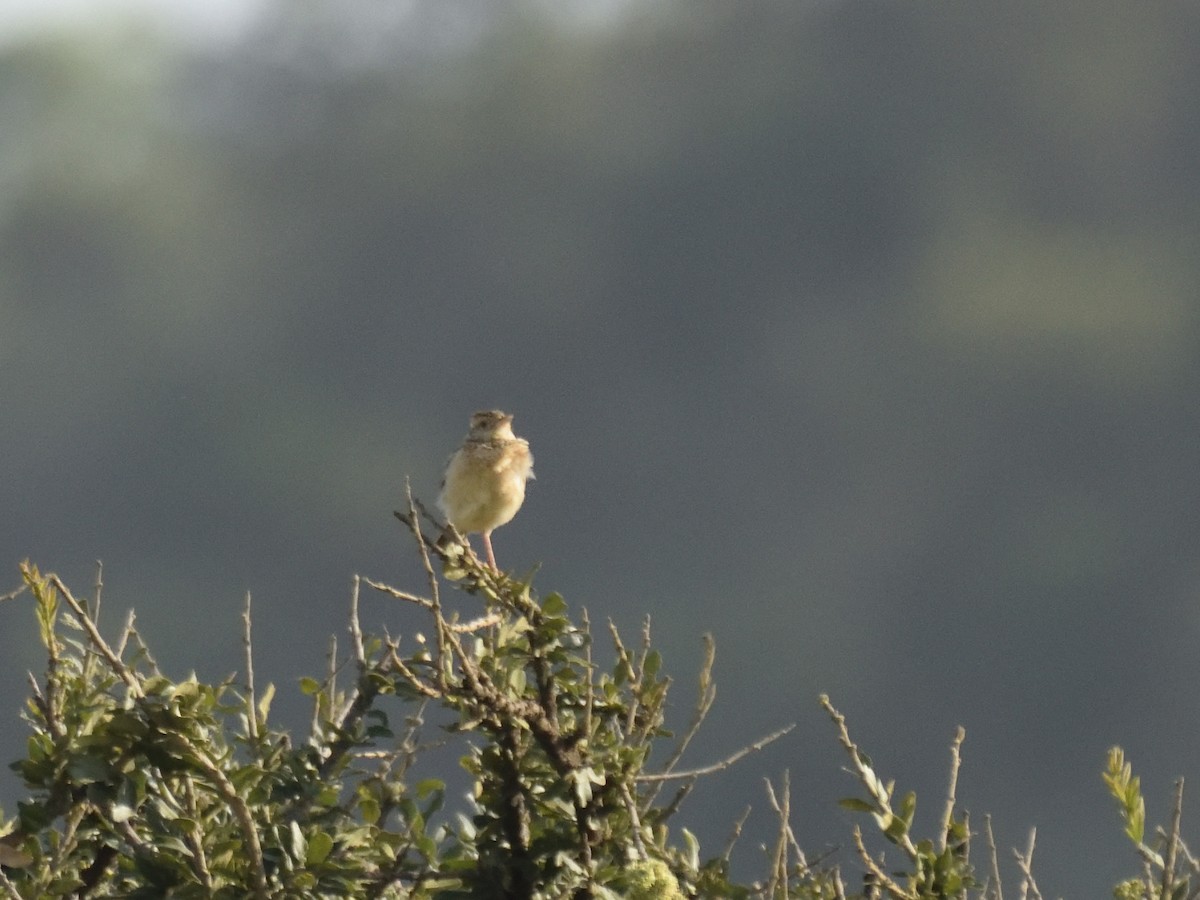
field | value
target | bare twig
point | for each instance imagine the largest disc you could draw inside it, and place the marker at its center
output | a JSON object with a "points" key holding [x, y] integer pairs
{"points": [[735, 834], [431, 577], [644, 645], [723, 764], [585, 727], [97, 590], [664, 813], [251, 699], [642, 725], [784, 811], [126, 633], [486, 621], [423, 602], [367, 688], [1029, 886], [955, 762], [839, 886], [1168, 876], [413, 678], [68, 843], [195, 837], [131, 633], [132, 837], [1188, 856], [13, 594], [705, 696], [244, 818], [634, 820], [326, 699], [45, 706], [867, 776], [779, 866], [331, 677], [1190, 859], [356, 635], [997, 889], [97, 639], [625, 660], [90, 661], [966, 841], [876, 870], [10, 889]]}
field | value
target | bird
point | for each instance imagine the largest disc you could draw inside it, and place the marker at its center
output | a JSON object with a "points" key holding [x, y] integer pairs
{"points": [[484, 483]]}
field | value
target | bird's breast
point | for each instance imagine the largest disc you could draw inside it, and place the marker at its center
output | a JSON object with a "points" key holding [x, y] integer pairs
{"points": [[485, 485]]}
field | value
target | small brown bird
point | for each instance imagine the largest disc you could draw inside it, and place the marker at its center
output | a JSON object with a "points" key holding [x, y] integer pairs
{"points": [[484, 484]]}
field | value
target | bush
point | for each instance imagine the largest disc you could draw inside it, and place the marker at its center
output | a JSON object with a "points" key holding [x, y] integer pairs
{"points": [[140, 786]]}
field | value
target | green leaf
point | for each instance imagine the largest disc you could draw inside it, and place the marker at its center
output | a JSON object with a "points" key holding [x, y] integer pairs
{"points": [[33, 816], [652, 664], [319, 847], [554, 605], [298, 846], [128, 724], [1136, 824], [582, 781], [896, 828], [693, 850], [517, 681], [427, 847], [309, 686], [264, 702], [88, 769], [856, 804], [369, 808], [429, 786]]}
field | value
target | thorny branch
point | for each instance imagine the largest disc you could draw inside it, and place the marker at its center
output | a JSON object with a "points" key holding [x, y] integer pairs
{"points": [[722, 764], [1029, 887], [951, 800], [574, 726]]}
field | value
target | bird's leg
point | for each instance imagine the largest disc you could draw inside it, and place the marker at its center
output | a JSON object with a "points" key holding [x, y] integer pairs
{"points": [[487, 546]]}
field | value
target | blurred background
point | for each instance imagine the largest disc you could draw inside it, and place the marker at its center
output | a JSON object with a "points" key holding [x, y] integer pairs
{"points": [[860, 335]]}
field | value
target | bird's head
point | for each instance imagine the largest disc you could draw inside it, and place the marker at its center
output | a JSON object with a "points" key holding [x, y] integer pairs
{"points": [[491, 424]]}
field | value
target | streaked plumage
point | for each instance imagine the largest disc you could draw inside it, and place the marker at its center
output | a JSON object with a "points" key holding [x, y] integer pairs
{"points": [[484, 484]]}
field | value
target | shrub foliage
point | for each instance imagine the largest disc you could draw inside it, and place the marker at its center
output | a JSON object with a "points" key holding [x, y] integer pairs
{"points": [[140, 786]]}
